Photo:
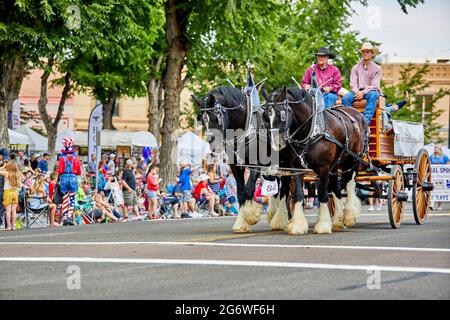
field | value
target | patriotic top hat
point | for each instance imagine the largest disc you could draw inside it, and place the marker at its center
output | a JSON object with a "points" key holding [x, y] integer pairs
{"points": [[68, 145]]}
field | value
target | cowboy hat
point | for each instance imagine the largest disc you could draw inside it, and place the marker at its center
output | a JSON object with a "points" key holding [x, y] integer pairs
{"points": [[323, 51], [369, 46], [203, 177]]}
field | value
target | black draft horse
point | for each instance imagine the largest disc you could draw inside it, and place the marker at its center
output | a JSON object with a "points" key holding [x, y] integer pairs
{"points": [[221, 110], [339, 149]]}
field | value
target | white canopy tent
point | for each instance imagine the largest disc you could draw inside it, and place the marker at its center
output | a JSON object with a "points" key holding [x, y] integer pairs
{"points": [[38, 142], [144, 139], [18, 138], [192, 149]]}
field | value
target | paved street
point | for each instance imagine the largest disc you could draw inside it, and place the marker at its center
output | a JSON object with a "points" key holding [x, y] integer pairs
{"points": [[203, 259]]}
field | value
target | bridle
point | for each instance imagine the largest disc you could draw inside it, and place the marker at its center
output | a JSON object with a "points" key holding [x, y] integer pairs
{"points": [[287, 117]]}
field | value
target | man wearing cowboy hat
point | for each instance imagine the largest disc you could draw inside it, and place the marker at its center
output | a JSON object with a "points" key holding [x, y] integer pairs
{"points": [[365, 81], [328, 77]]}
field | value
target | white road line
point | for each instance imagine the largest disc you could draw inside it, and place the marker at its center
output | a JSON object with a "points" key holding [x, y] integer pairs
{"points": [[221, 244], [226, 263]]}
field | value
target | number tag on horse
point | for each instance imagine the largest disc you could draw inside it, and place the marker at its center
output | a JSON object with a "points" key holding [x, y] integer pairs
{"points": [[269, 188]]}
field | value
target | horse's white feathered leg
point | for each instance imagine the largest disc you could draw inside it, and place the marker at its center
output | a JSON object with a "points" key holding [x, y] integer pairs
{"points": [[298, 224], [353, 206], [323, 224], [280, 219], [338, 217]]}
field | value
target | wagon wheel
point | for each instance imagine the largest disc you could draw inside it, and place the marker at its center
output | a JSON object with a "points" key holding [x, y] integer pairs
{"points": [[421, 196], [395, 207]]}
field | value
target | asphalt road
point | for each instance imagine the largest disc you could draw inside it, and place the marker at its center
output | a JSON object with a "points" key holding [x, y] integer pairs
{"points": [[203, 259]]}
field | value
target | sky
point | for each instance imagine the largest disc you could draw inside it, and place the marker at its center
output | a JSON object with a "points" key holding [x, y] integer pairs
{"points": [[422, 33]]}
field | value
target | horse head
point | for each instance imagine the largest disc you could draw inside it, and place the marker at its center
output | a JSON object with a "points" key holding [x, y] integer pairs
{"points": [[280, 119]]}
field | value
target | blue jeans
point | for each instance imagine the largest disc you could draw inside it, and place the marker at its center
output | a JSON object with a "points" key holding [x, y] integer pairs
{"points": [[371, 97], [330, 99]]}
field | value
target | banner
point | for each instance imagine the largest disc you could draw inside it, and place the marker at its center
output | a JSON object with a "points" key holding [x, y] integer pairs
{"points": [[95, 125], [440, 177], [15, 123], [408, 138], [269, 188]]}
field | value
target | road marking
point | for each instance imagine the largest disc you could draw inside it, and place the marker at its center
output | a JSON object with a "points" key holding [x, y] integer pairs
{"points": [[226, 263], [217, 244], [38, 235]]}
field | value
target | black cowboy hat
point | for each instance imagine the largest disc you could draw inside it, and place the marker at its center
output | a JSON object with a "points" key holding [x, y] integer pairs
{"points": [[323, 51]]}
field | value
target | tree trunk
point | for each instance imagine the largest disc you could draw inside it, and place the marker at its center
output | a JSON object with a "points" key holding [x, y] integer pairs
{"points": [[15, 80], [178, 47], [5, 71], [108, 111], [153, 90], [51, 126]]}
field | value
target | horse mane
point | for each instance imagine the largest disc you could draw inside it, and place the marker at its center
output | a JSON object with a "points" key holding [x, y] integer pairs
{"points": [[233, 97], [300, 94]]}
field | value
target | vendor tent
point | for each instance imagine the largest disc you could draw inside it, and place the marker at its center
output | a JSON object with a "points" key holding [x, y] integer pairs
{"points": [[38, 142], [144, 139], [18, 138], [192, 149]]}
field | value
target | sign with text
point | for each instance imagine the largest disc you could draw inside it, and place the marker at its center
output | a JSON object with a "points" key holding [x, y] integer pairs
{"points": [[409, 138], [440, 177], [269, 188]]}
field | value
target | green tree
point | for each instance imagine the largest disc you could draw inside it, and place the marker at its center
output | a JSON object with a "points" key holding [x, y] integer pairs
{"points": [[422, 108]]}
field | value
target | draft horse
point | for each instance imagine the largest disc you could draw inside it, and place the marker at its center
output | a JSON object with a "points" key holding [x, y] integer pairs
{"points": [[222, 109], [334, 154]]}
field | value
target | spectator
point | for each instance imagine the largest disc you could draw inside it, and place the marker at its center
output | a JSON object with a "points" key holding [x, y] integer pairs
{"points": [[129, 189], [438, 157], [13, 181], [43, 163], [230, 202], [26, 166], [112, 164], [203, 192], [101, 210], [258, 197], [21, 160], [223, 169], [116, 193], [185, 188], [3, 159], [214, 180], [92, 165], [152, 192], [40, 199], [34, 160], [52, 184]]}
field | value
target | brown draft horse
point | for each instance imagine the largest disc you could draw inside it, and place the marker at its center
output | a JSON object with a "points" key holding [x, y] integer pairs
{"points": [[334, 154]]}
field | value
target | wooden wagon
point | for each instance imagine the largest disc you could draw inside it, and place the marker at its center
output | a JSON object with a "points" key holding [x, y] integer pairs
{"points": [[398, 173]]}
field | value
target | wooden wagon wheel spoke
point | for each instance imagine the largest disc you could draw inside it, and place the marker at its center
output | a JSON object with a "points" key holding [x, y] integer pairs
{"points": [[395, 206], [421, 198]]}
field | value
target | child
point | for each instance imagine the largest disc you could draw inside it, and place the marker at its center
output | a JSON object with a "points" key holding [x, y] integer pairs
{"points": [[230, 188], [152, 192], [390, 108], [13, 181]]}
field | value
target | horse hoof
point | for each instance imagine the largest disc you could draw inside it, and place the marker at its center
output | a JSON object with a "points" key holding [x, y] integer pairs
{"points": [[296, 230], [338, 227], [322, 229], [349, 222], [241, 230]]}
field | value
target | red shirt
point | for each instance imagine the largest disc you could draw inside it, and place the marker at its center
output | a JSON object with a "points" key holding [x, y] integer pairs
{"points": [[76, 166], [198, 189], [51, 189], [257, 193], [152, 184]]}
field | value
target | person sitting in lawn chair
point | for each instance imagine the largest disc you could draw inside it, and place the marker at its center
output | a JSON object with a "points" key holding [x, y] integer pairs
{"points": [[203, 193]]}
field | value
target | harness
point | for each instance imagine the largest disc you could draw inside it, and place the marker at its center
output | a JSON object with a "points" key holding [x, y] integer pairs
{"points": [[316, 132]]}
